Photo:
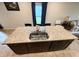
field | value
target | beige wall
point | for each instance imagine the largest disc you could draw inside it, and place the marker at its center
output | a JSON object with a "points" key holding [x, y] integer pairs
{"points": [[58, 10], [55, 11], [13, 19]]}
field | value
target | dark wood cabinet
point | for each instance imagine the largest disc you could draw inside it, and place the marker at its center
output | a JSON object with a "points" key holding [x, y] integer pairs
{"points": [[38, 46], [33, 47], [19, 48], [59, 45]]}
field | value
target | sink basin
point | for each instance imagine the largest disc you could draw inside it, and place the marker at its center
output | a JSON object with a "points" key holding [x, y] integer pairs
{"points": [[38, 36]]}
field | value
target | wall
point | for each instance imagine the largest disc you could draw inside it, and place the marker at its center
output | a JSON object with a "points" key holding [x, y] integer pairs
{"points": [[13, 19], [58, 10], [55, 11]]}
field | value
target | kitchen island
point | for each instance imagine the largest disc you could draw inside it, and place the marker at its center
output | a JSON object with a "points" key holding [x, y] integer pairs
{"points": [[59, 39]]}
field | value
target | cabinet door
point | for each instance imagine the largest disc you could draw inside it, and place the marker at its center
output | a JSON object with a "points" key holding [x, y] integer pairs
{"points": [[38, 46], [59, 45], [20, 48]]}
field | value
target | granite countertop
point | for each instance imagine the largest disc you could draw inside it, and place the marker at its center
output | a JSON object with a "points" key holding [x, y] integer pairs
{"points": [[21, 35]]}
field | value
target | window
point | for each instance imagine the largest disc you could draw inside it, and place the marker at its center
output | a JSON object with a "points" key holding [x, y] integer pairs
{"points": [[38, 11]]}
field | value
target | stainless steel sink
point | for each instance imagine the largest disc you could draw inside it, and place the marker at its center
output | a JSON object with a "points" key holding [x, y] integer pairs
{"points": [[38, 36]]}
